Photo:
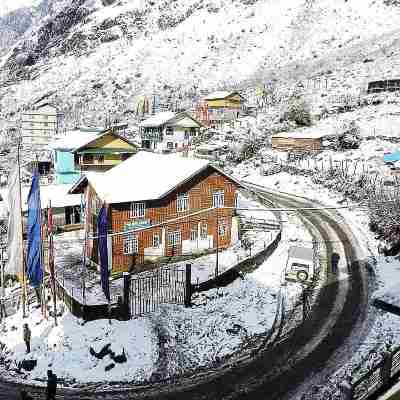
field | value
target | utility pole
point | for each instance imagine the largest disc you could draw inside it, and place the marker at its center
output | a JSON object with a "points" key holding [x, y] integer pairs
{"points": [[304, 300]]}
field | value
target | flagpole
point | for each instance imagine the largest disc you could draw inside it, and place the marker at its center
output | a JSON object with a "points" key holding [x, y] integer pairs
{"points": [[84, 198], [51, 259], [24, 291], [43, 291]]}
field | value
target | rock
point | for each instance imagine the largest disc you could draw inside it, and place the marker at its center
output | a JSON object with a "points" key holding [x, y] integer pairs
{"points": [[27, 365], [109, 367], [234, 330], [103, 352], [119, 359]]}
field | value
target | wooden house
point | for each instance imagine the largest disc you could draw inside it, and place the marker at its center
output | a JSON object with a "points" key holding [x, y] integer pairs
{"points": [[103, 152], [169, 131], [160, 206], [304, 142], [88, 150], [223, 106]]}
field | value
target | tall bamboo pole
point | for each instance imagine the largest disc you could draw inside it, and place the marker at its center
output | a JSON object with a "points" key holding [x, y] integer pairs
{"points": [[217, 249], [23, 266], [51, 261]]}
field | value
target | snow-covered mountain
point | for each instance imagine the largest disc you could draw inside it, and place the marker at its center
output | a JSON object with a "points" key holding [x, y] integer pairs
{"points": [[97, 56]]}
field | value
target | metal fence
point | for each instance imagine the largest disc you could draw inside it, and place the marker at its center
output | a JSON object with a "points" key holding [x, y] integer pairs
{"points": [[163, 285], [378, 377]]}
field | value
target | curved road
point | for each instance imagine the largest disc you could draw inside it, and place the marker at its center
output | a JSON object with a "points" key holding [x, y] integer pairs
{"points": [[338, 323]]}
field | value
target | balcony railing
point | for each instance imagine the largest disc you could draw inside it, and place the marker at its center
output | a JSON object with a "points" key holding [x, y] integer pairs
{"points": [[154, 136]]}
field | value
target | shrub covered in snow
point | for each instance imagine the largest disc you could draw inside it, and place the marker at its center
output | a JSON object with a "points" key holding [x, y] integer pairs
{"points": [[348, 135], [298, 111]]}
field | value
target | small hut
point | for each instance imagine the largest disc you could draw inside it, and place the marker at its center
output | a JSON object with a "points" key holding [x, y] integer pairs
{"points": [[303, 141]]}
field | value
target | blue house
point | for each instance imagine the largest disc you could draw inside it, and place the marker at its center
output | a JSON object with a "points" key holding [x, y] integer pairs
{"points": [[63, 157]]}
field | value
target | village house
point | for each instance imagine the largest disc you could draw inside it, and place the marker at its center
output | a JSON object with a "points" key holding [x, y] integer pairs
{"points": [[169, 131], [88, 149], [40, 125], [160, 206], [223, 106]]}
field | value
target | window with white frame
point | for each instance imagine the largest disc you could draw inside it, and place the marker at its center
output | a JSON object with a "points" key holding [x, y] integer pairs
{"points": [[169, 130], [193, 234], [174, 238], [131, 244], [170, 145], [94, 205], [218, 198], [203, 231], [138, 210], [221, 228], [236, 200], [156, 240], [182, 202]]}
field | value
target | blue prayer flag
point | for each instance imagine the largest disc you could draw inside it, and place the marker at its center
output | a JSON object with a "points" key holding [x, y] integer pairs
{"points": [[34, 252], [102, 229]]}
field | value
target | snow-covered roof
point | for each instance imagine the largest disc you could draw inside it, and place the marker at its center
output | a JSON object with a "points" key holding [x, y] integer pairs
{"points": [[158, 119], [220, 94], [145, 176], [73, 140], [58, 194]]}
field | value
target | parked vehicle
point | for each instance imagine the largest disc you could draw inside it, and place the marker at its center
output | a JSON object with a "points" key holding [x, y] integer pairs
{"points": [[208, 151], [300, 265]]}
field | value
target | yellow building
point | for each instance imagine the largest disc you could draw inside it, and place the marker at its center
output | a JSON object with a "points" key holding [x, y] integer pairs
{"points": [[223, 106], [103, 152]]}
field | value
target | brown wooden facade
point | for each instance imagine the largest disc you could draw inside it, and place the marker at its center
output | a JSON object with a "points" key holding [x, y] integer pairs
{"points": [[296, 144], [164, 211]]}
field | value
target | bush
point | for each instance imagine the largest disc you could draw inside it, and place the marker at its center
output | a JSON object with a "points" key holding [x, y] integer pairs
{"points": [[349, 135], [298, 111]]}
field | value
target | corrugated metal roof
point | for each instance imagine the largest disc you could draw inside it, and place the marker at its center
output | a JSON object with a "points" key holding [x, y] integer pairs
{"points": [[392, 157]]}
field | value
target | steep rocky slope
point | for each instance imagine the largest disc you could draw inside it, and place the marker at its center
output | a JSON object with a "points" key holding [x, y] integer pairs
{"points": [[99, 55]]}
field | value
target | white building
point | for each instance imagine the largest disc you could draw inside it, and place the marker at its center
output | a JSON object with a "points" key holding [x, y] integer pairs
{"points": [[40, 125], [169, 131]]}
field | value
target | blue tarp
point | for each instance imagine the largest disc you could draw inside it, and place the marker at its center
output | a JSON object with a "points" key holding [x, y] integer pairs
{"points": [[34, 252], [392, 157], [102, 229]]}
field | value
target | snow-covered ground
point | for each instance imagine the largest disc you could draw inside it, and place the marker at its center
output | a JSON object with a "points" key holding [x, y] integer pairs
{"points": [[65, 348], [219, 324], [171, 341]]}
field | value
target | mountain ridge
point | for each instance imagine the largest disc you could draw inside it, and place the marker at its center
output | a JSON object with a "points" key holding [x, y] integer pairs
{"points": [[105, 54]]}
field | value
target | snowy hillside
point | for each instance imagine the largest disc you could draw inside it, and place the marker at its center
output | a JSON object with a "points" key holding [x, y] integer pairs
{"points": [[102, 54]]}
